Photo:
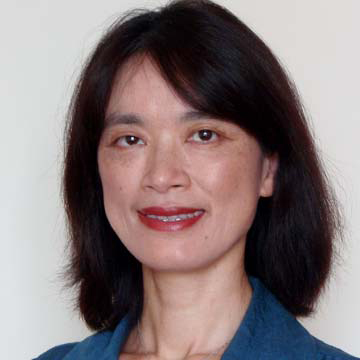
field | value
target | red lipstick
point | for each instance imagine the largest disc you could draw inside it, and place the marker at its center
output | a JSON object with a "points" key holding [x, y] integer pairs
{"points": [[171, 218]]}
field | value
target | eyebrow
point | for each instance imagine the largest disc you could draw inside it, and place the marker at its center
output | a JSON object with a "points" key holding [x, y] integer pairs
{"points": [[133, 119]]}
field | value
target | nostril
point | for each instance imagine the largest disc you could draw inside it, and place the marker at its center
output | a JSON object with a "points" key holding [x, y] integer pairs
{"points": [[162, 180]]}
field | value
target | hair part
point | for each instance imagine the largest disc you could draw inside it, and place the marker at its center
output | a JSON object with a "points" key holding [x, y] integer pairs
{"points": [[216, 64]]}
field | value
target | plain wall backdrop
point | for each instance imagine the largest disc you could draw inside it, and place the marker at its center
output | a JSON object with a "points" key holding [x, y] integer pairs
{"points": [[43, 45]]}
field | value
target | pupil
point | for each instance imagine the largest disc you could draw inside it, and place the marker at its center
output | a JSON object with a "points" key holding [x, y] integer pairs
{"points": [[205, 134], [130, 139]]}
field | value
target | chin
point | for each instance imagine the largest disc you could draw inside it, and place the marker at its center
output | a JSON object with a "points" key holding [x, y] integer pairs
{"points": [[176, 263]]}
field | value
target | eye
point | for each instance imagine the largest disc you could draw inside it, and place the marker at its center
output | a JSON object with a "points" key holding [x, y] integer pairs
{"points": [[128, 140], [205, 135]]}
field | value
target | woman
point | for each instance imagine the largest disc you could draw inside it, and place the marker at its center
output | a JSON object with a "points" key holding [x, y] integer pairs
{"points": [[201, 222]]}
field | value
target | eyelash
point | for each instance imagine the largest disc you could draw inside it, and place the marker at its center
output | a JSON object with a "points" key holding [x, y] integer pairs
{"points": [[201, 130]]}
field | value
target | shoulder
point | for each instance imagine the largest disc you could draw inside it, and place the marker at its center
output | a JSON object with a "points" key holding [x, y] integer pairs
{"points": [[277, 333], [78, 350], [101, 345], [327, 352], [57, 352]]}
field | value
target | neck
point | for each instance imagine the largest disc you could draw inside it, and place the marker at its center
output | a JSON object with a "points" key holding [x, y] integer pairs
{"points": [[191, 313]]}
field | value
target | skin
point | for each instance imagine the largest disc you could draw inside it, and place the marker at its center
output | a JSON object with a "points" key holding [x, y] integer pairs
{"points": [[199, 270]]}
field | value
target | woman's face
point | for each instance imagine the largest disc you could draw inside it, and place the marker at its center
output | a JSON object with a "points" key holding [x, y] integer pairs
{"points": [[157, 155]]}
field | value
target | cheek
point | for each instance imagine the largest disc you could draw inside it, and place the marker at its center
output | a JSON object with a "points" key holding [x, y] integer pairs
{"points": [[119, 188], [117, 178], [232, 186], [111, 183], [230, 177], [227, 189], [116, 166]]}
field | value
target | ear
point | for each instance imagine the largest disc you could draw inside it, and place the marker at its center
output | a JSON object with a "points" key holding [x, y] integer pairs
{"points": [[270, 166]]}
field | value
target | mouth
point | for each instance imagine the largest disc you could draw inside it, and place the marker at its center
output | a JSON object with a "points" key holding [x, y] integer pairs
{"points": [[170, 219]]}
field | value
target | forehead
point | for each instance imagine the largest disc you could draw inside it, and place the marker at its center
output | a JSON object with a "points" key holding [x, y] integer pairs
{"points": [[139, 83]]}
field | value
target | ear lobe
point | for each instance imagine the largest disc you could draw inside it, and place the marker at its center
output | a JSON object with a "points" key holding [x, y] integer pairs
{"points": [[270, 167]]}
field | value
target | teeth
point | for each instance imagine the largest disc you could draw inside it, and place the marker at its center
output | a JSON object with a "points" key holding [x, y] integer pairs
{"points": [[178, 217]]}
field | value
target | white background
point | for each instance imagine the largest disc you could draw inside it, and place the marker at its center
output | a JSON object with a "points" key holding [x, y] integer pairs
{"points": [[42, 47]]}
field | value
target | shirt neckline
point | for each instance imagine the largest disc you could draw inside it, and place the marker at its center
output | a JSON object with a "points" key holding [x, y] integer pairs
{"points": [[267, 329]]}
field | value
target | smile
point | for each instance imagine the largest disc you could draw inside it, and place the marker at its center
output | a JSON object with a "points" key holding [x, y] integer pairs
{"points": [[171, 223], [178, 217]]}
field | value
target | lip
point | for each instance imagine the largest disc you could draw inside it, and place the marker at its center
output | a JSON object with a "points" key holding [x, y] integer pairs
{"points": [[159, 225]]}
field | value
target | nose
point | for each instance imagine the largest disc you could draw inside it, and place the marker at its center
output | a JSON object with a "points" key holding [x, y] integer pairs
{"points": [[165, 169]]}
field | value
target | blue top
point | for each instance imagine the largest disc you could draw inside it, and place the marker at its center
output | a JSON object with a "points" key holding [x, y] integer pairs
{"points": [[268, 331]]}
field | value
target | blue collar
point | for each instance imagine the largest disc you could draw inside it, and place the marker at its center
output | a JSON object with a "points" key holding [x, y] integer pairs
{"points": [[268, 331]]}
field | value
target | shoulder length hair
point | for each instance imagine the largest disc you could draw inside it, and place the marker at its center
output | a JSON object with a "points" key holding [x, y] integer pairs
{"points": [[220, 67]]}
